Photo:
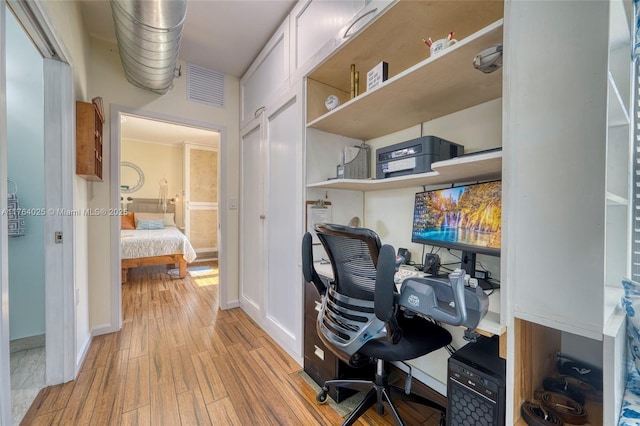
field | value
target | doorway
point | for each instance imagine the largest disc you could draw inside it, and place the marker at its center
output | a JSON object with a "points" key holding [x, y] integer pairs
{"points": [[54, 112], [134, 133]]}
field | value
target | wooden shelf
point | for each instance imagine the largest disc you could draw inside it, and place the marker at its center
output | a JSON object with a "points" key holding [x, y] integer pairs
{"points": [[432, 88], [482, 166]]}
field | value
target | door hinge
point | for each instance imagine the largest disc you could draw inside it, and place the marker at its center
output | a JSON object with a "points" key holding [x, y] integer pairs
{"points": [[58, 237]]}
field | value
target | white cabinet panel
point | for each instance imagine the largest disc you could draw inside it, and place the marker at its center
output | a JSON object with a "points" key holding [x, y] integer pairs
{"points": [[284, 220], [252, 265], [271, 221], [314, 23], [266, 77]]}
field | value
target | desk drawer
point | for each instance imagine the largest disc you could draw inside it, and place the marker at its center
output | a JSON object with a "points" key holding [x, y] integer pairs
{"points": [[312, 300]]}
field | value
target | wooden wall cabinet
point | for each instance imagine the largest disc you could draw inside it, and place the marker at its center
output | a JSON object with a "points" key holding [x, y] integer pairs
{"points": [[89, 123]]}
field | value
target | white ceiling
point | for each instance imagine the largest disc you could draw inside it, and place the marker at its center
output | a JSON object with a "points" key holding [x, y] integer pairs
{"points": [[147, 130], [224, 35]]}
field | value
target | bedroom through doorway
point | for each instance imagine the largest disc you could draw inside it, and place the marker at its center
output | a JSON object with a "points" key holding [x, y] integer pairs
{"points": [[169, 186]]}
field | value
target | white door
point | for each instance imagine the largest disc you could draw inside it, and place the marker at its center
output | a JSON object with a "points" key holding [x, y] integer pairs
{"points": [[201, 199], [284, 224], [252, 214], [271, 221]]}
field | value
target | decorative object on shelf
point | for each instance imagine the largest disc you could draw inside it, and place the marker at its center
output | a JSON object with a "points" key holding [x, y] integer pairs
{"points": [[125, 173], [377, 75], [331, 102], [354, 81], [489, 59], [438, 46], [163, 193], [355, 162], [15, 220], [97, 101]]}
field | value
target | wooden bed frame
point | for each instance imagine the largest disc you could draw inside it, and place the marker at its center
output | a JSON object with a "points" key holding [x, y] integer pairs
{"points": [[167, 259], [151, 205]]}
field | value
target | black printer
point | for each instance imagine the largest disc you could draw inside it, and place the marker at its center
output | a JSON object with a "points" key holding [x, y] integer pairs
{"points": [[414, 156]]}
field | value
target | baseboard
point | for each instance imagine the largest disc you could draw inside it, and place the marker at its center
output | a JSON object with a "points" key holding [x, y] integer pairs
{"points": [[232, 304], [103, 329], [82, 354], [26, 343]]}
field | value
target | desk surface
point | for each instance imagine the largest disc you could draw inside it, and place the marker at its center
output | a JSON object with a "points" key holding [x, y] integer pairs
{"points": [[490, 324]]}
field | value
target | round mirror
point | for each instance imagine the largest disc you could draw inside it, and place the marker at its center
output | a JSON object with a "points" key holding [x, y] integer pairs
{"points": [[131, 177]]}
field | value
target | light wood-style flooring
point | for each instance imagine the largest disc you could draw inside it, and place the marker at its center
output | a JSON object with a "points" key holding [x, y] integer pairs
{"points": [[179, 360]]}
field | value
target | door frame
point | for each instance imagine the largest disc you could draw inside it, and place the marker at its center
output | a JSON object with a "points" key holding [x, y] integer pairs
{"points": [[60, 327], [114, 201]]}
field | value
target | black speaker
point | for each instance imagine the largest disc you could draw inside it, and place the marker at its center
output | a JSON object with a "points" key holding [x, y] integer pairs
{"points": [[476, 385], [431, 264]]}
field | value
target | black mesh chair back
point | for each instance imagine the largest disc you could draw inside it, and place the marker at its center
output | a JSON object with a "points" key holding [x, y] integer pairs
{"points": [[353, 253]]}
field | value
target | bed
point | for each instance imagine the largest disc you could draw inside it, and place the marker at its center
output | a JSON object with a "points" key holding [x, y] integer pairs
{"points": [[146, 247]]}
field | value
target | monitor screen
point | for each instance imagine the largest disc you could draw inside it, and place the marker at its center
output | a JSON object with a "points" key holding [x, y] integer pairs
{"points": [[466, 218]]}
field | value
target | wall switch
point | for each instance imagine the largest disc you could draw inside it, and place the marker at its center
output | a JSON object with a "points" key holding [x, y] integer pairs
{"points": [[233, 204]]}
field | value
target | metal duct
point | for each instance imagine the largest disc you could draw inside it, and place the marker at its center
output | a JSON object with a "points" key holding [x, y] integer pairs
{"points": [[149, 34]]}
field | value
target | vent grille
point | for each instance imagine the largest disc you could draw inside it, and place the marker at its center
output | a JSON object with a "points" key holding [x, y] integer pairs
{"points": [[205, 85]]}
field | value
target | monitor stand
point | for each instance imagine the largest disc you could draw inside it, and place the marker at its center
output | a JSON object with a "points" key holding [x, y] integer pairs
{"points": [[468, 262]]}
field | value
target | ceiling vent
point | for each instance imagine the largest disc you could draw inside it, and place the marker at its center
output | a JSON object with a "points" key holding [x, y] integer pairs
{"points": [[149, 34], [205, 85]]}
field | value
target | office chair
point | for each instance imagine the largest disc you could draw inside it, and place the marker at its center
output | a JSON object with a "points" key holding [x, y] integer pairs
{"points": [[359, 321]]}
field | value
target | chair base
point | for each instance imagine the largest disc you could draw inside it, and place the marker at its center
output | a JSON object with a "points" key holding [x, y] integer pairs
{"points": [[379, 392]]}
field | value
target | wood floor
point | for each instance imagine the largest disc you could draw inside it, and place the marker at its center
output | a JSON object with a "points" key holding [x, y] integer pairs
{"points": [[179, 360]]}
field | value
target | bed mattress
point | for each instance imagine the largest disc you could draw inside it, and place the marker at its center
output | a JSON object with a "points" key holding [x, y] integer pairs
{"points": [[135, 244]]}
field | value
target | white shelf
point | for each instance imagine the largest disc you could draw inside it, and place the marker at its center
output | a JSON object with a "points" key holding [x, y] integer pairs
{"points": [[432, 88], [482, 166], [618, 114], [616, 200], [612, 296]]}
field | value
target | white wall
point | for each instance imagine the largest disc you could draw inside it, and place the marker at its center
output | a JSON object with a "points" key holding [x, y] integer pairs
{"points": [[156, 162], [390, 212], [107, 79], [25, 159]]}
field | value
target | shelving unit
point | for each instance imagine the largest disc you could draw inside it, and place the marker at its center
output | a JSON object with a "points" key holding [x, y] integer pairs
{"points": [[429, 89], [482, 166], [89, 123]]}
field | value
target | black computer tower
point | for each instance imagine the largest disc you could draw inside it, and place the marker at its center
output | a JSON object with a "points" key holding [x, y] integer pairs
{"points": [[476, 385]]}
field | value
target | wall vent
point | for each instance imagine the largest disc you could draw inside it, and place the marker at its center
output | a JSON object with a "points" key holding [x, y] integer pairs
{"points": [[205, 85]]}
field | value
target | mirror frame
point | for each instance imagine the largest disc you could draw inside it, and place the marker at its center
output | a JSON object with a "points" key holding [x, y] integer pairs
{"points": [[138, 184]]}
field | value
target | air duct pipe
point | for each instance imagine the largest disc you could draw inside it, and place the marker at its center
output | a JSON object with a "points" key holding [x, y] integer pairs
{"points": [[149, 34]]}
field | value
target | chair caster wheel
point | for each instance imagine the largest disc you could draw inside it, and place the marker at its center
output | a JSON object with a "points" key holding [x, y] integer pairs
{"points": [[321, 397]]}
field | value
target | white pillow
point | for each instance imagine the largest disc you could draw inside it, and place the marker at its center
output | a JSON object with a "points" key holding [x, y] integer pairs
{"points": [[168, 218]]}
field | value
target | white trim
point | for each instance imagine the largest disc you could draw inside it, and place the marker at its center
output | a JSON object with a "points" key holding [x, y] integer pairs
{"points": [[114, 202], [59, 260], [5, 357], [82, 354], [101, 329]]}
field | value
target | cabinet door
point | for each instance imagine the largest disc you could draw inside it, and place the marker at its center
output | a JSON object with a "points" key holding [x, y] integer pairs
{"points": [[314, 26], [252, 246], [367, 11], [266, 77], [284, 223]]}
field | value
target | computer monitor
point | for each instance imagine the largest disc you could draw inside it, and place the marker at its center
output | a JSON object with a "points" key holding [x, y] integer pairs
{"points": [[466, 218]]}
